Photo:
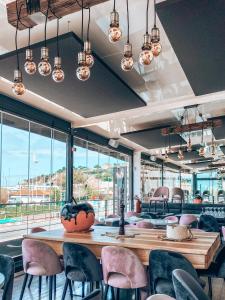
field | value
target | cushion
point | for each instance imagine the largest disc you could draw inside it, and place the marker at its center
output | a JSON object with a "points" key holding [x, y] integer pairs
{"points": [[164, 286], [119, 281]]}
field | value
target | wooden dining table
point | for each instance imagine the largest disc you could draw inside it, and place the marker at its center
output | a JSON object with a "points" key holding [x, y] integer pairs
{"points": [[200, 251]]}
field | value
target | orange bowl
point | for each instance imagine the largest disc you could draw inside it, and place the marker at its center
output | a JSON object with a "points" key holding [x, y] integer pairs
{"points": [[82, 222]]}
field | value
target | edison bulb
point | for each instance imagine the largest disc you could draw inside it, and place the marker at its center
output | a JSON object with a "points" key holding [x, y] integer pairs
{"points": [[201, 151], [127, 63], [115, 34], [145, 57], [156, 49], [44, 68], [180, 155], [18, 88], [58, 74], [89, 60], [30, 67], [83, 73]]}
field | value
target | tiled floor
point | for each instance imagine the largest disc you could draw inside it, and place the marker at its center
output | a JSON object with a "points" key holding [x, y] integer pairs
{"points": [[32, 294]]}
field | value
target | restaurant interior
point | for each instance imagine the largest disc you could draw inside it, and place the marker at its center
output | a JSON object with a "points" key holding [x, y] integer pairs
{"points": [[112, 150]]}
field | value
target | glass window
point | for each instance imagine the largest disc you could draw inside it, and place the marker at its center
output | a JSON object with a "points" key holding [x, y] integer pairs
{"points": [[151, 177]]}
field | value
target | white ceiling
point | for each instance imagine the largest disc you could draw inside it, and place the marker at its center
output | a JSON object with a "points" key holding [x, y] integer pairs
{"points": [[163, 85]]}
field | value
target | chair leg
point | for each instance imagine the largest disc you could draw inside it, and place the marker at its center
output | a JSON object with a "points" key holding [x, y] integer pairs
{"points": [[71, 290], [54, 286], [83, 288], [113, 294], [39, 286], [65, 289], [30, 281], [137, 294], [106, 291], [210, 287], [24, 286], [50, 287], [155, 206], [117, 294]]}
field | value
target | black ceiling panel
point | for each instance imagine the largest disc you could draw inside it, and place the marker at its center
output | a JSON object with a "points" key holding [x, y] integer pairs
{"points": [[153, 139], [219, 132], [222, 148], [196, 31], [199, 165], [103, 93], [187, 155]]}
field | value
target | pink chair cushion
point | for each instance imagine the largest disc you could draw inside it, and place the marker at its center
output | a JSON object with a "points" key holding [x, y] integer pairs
{"points": [[37, 229], [187, 219], [144, 224], [39, 258], [131, 214], [124, 266], [172, 218]]}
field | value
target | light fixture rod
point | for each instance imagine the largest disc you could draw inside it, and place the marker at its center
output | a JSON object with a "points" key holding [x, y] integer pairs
{"points": [[128, 23], [147, 16]]}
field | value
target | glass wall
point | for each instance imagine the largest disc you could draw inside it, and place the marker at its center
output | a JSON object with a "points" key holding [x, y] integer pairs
{"points": [[33, 175], [171, 179], [151, 177], [100, 176]]}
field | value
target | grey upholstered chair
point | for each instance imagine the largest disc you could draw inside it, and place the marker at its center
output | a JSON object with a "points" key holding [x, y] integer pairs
{"points": [[7, 268]]}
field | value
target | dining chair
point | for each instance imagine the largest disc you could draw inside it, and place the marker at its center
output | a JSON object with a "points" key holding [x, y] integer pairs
{"points": [[216, 269], [39, 259], [112, 216], [186, 286], [178, 196], [95, 295], [187, 219], [7, 268], [161, 265], [144, 224], [122, 269], [130, 214], [35, 230], [172, 218], [161, 195], [80, 265], [208, 223], [220, 196]]}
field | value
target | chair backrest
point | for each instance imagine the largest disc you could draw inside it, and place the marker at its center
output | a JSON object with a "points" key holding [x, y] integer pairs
{"points": [[144, 224], [7, 268], [186, 286], [172, 218], [206, 193], [187, 219], [40, 253], [178, 192], [125, 262], [37, 229], [220, 193], [162, 263], [208, 223], [81, 263], [161, 191]]}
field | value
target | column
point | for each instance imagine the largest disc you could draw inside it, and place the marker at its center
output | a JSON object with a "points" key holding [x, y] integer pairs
{"points": [[137, 173]]}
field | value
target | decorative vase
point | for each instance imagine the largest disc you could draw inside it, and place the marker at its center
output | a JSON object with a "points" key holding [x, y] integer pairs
{"points": [[77, 217]]}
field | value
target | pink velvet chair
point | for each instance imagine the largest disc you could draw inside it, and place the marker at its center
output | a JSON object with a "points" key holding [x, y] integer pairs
{"points": [[223, 232], [187, 219], [122, 269], [161, 195], [130, 214], [144, 224], [39, 259], [37, 229]]}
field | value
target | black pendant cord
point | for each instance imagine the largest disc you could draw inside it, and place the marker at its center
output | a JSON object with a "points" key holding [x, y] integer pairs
{"points": [[16, 35], [46, 21], [202, 135], [57, 37], [128, 24], [154, 14], [114, 5], [89, 22], [147, 16], [29, 29], [82, 23]]}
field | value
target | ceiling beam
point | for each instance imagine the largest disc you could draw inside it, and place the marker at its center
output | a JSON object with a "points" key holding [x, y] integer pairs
{"points": [[59, 8]]}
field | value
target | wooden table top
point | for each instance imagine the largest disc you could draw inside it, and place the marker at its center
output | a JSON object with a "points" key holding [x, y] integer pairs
{"points": [[200, 251]]}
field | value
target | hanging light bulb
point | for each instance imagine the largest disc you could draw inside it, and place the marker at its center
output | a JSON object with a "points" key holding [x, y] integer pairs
{"points": [[155, 37], [146, 56], [189, 145], [88, 54], [58, 73], [201, 151], [115, 32], [180, 155], [213, 149], [30, 66], [18, 87], [166, 155], [83, 71], [127, 61], [44, 67]]}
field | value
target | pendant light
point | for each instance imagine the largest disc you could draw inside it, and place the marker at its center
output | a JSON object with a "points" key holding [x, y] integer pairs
{"points": [[202, 148], [83, 71], [155, 36], [115, 32], [18, 87], [30, 66], [180, 155], [127, 61], [87, 44], [213, 145], [189, 144], [146, 55], [44, 67], [58, 74]]}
